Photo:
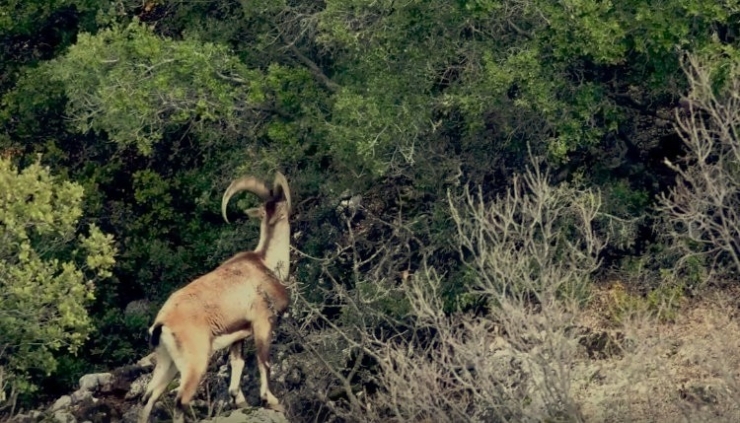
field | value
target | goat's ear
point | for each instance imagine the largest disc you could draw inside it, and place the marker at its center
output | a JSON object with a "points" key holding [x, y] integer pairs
{"points": [[255, 212]]}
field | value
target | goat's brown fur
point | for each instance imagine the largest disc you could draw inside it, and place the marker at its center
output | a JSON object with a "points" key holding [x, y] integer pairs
{"points": [[242, 297]]}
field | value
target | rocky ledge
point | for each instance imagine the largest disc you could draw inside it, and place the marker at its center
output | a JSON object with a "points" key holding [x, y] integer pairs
{"points": [[115, 397]]}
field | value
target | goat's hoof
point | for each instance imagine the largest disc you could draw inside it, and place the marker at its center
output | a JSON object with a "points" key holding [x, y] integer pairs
{"points": [[275, 407], [238, 398]]}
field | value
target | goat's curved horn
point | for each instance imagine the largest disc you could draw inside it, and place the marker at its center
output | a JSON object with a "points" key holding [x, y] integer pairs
{"points": [[247, 183], [281, 186]]}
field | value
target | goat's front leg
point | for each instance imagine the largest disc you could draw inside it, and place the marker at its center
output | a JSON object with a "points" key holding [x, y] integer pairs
{"points": [[236, 360]]}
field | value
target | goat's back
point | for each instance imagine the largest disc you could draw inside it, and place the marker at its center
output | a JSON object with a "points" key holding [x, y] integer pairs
{"points": [[228, 298]]}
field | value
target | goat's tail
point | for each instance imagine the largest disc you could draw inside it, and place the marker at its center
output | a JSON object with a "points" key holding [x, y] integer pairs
{"points": [[155, 334]]}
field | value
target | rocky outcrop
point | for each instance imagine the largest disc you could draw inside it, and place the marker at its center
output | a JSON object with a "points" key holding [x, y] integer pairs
{"points": [[115, 397]]}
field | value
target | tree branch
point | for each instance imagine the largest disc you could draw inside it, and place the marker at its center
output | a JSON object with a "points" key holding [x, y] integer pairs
{"points": [[310, 64], [519, 30], [315, 70]]}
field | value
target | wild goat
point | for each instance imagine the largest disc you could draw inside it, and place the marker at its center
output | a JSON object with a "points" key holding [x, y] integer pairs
{"points": [[243, 296]]}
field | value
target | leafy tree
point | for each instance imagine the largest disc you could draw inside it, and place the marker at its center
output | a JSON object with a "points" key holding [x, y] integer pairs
{"points": [[48, 269], [33, 31], [23, 17], [133, 85]]}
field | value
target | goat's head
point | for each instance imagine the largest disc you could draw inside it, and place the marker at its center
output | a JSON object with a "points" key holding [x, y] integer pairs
{"points": [[274, 213], [276, 202]]}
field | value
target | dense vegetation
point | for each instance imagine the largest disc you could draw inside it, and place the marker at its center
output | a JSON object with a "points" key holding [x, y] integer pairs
{"points": [[121, 123]]}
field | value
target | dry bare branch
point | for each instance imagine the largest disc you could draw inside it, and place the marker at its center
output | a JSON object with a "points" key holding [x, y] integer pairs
{"points": [[702, 211]]}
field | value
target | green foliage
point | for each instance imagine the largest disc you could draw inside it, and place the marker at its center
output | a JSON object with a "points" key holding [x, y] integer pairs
{"points": [[383, 299], [569, 109], [608, 32], [624, 210], [47, 269], [133, 85], [23, 17], [390, 82], [542, 66], [722, 66], [662, 302], [297, 130], [624, 201], [151, 193], [120, 337], [32, 97], [590, 26]]}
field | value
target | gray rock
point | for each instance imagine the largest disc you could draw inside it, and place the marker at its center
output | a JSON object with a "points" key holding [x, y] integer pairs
{"points": [[81, 395], [138, 307], [62, 403], [148, 361], [96, 382], [138, 387], [23, 418], [64, 417], [249, 415], [31, 416], [132, 414]]}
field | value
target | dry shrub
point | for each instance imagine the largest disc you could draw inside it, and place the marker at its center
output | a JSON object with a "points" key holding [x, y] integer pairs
{"points": [[513, 365], [530, 253], [702, 211]]}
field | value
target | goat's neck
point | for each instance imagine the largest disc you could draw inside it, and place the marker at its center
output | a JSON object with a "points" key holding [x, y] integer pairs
{"points": [[274, 244]]}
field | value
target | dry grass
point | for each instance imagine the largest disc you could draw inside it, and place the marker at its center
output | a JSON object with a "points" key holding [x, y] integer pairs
{"points": [[680, 371]]}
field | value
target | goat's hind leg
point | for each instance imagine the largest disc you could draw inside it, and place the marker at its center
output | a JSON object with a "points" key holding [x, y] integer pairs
{"points": [[192, 368], [163, 374]]}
